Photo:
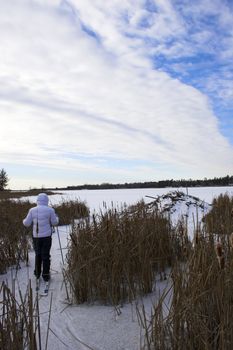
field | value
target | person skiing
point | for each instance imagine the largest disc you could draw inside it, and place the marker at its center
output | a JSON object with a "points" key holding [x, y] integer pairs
{"points": [[43, 219]]}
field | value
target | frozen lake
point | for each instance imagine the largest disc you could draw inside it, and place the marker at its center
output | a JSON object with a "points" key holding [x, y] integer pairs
{"points": [[95, 199]]}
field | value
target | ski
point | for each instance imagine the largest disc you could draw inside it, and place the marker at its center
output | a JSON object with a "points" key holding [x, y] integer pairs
{"points": [[45, 291]]}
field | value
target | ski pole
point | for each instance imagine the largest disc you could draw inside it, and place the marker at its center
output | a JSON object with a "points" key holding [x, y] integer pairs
{"points": [[67, 293], [60, 245]]}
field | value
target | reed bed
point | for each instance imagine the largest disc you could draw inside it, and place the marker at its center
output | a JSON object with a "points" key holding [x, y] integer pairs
{"points": [[199, 314], [19, 327], [13, 236], [71, 210], [115, 256], [220, 219]]}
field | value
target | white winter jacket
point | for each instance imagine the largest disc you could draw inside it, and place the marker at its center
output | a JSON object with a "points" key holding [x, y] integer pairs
{"points": [[42, 217]]}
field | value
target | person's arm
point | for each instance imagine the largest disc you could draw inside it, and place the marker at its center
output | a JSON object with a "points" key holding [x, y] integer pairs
{"points": [[28, 220], [54, 218]]}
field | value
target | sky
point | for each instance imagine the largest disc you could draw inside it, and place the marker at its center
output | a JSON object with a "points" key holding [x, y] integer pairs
{"points": [[95, 91]]}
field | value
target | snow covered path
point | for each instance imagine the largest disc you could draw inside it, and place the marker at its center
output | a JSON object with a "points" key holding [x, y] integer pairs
{"points": [[78, 327]]}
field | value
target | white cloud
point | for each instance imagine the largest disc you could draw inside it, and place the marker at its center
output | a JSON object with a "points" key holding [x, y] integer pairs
{"points": [[64, 92]]}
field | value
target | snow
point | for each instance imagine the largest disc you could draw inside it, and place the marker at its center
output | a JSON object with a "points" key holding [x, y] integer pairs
{"points": [[182, 207], [96, 326], [96, 198]]}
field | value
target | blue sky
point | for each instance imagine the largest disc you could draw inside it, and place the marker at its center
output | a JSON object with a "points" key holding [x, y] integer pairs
{"points": [[119, 91]]}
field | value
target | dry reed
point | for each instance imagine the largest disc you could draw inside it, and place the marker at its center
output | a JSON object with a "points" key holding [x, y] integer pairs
{"points": [[116, 255], [71, 210], [13, 236], [220, 219], [18, 321], [200, 313]]}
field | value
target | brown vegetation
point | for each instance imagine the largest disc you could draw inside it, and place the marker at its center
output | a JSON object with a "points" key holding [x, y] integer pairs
{"points": [[220, 218], [199, 315], [116, 256], [69, 211], [19, 326], [13, 235]]}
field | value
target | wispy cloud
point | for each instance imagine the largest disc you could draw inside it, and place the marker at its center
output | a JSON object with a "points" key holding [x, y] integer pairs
{"points": [[111, 81]]}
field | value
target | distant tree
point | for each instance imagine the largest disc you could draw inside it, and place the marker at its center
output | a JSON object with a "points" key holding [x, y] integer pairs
{"points": [[3, 179]]}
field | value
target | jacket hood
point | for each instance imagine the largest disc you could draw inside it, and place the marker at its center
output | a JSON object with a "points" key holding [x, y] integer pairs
{"points": [[42, 199]]}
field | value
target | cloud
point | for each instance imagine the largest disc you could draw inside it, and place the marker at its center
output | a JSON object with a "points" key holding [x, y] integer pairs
{"points": [[77, 78]]}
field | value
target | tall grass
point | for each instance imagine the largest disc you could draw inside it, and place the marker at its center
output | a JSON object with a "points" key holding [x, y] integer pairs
{"points": [[220, 218], [70, 210], [199, 315], [115, 256], [18, 321], [13, 236]]}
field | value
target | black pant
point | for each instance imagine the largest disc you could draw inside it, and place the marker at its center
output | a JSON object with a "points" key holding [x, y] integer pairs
{"points": [[42, 250]]}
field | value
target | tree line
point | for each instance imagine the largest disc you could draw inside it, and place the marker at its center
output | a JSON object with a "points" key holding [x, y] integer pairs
{"points": [[216, 181]]}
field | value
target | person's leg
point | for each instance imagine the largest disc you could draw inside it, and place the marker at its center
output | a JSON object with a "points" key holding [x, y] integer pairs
{"points": [[38, 257], [47, 242]]}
